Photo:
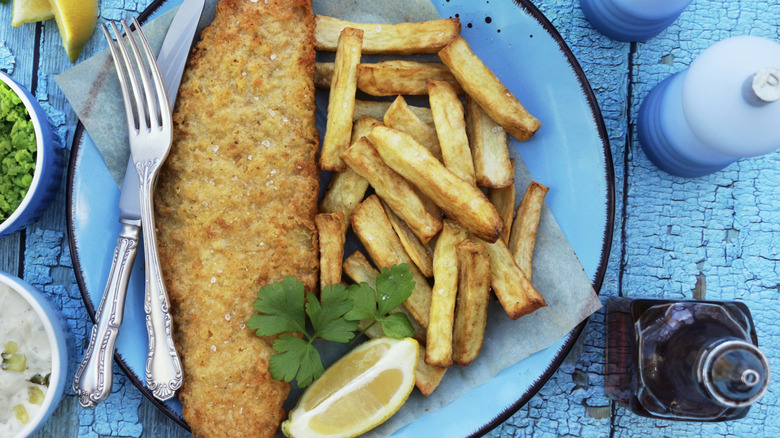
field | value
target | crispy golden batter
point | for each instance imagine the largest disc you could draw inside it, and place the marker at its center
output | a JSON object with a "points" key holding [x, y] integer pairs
{"points": [[235, 206]]}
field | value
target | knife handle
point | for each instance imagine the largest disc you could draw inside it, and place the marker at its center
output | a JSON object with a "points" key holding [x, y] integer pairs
{"points": [[94, 377], [163, 367]]}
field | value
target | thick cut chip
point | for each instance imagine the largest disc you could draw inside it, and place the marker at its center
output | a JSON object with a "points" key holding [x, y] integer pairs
{"points": [[450, 124], [341, 102], [488, 148], [395, 39], [481, 84], [503, 198], [378, 109], [402, 117], [332, 229], [347, 188], [392, 188], [473, 299], [461, 201], [445, 289], [523, 237], [391, 78], [375, 232], [515, 292], [418, 252]]}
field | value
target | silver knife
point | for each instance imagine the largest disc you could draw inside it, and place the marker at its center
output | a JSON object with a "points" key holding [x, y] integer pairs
{"points": [[94, 377]]}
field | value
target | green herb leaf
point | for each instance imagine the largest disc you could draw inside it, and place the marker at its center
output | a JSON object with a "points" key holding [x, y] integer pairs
{"points": [[397, 325], [393, 287], [282, 306], [328, 318], [297, 359], [363, 302]]}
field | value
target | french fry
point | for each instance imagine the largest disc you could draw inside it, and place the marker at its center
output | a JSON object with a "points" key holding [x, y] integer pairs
{"points": [[431, 206], [341, 103], [396, 39], [450, 124], [523, 236], [445, 289], [503, 198], [462, 201], [377, 110], [428, 377], [417, 251], [347, 188], [357, 267], [375, 232], [323, 74], [332, 230], [401, 117], [392, 188], [482, 85], [362, 127], [473, 299], [391, 78], [488, 148], [515, 292]]}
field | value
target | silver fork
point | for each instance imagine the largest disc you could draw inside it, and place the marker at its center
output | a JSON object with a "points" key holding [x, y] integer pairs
{"points": [[150, 130]]}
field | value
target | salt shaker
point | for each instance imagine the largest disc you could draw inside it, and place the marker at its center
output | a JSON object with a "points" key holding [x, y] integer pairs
{"points": [[632, 20], [684, 360], [722, 108]]}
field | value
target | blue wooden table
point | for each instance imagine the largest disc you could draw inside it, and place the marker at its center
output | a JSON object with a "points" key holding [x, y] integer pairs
{"points": [[717, 235]]}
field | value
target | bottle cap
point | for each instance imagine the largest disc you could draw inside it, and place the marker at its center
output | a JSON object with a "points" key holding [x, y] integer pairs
{"points": [[734, 372], [715, 103]]}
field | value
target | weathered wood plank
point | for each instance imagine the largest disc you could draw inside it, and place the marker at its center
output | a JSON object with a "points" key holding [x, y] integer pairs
{"points": [[723, 227]]}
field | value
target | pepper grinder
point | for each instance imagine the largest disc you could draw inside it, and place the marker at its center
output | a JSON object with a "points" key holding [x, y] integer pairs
{"points": [[632, 20], [723, 108]]}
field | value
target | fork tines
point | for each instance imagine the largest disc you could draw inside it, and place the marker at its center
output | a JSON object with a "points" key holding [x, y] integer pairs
{"points": [[146, 108]]}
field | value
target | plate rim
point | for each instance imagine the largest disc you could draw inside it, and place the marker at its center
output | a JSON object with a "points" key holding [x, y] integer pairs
{"points": [[573, 335]]}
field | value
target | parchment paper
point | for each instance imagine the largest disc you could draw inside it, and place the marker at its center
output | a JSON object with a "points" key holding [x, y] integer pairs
{"points": [[558, 275]]}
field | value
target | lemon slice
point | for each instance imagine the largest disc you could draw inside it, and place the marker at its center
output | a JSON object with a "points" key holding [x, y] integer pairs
{"points": [[357, 393], [30, 11], [76, 20]]}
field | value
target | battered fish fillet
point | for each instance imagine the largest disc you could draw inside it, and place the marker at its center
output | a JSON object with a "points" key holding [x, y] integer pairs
{"points": [[235, 206]]}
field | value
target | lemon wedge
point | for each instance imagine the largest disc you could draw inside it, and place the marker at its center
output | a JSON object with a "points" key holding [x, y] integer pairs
{"points": [[76, 20], [357, 393], [30, 11]]}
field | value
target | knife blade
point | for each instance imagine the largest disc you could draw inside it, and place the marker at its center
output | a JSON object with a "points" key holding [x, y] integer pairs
{"points": [[170, 60], [94, 378]]}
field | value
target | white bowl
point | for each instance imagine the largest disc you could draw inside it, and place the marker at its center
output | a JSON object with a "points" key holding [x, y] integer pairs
{"points": [[52, 323]]}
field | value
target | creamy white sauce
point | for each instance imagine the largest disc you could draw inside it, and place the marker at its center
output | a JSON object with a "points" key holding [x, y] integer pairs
{"points": [[20, 323]]}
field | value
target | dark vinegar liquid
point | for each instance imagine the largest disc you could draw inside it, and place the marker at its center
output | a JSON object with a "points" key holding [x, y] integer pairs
{"points": [[651, 351]]}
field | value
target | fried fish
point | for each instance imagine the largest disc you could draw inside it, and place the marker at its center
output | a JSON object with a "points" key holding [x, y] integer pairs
{"points": [[235, 206]]}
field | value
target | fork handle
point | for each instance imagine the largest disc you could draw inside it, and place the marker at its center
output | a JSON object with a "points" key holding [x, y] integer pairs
{"points": [[163, 367], [94, 377]]}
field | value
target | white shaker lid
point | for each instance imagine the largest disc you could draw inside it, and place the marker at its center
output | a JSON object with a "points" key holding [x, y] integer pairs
{"points": [[722, 96]]}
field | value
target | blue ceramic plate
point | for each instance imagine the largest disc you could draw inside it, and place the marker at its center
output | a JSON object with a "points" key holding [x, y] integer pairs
{"points": [[570, 154]]}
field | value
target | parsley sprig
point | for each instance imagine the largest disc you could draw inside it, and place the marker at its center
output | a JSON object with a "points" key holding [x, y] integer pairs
{"points": [[284, 306]]}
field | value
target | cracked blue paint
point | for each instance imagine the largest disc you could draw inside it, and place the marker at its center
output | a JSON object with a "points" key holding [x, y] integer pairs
{"points": [[7, 59]]}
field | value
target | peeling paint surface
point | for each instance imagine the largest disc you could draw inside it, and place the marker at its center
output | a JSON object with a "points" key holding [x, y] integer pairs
{"points": [[715, 236]]}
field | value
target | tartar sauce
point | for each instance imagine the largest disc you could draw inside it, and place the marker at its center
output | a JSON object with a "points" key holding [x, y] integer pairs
{"points": [[21, 333]]}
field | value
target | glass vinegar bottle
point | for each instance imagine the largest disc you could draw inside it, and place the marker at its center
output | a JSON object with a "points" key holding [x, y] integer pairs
{"points": [[684, 360]]}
